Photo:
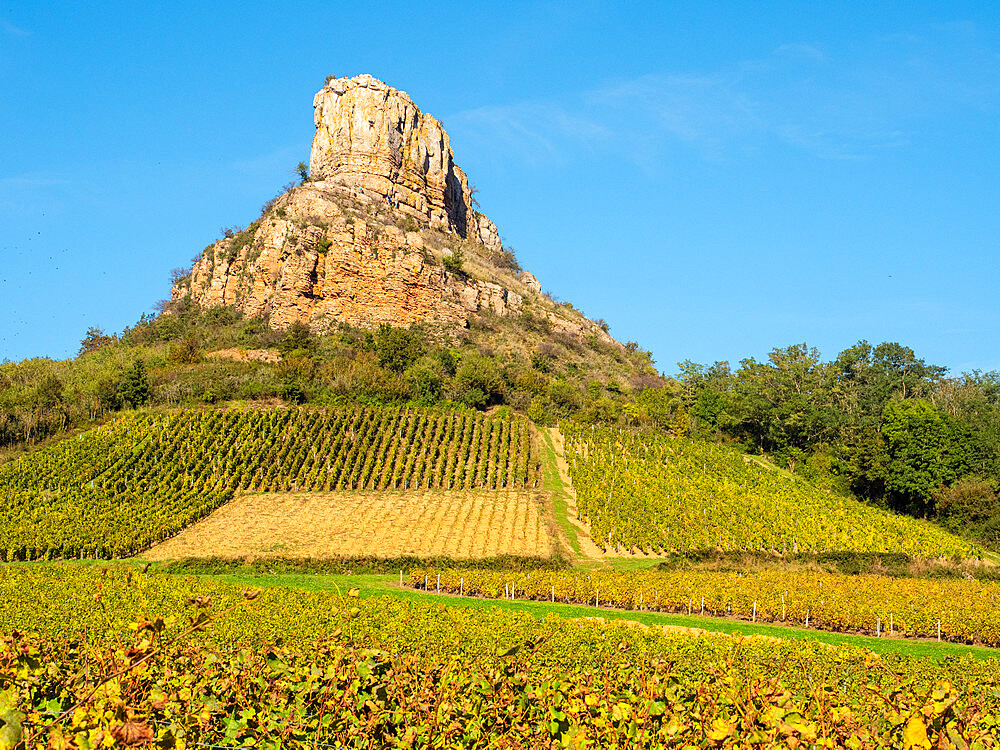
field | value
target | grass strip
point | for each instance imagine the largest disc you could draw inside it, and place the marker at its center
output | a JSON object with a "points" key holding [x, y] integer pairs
{"points": [[387, 585], [552, 482]]}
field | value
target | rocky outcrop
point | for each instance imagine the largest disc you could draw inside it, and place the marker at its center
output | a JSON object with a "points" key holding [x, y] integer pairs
{"points": [[373, 139], [310, 260], [362, 242], [486, 233]]}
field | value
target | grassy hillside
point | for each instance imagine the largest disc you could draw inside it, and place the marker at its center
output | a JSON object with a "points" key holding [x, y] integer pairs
{"points": [[191, 357], [656, 493], [139, 479]]}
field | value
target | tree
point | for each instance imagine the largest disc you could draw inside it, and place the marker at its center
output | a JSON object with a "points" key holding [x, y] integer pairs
{"points": [[705, 391], [297, 339], [397, 348], [865, 460], [921, 451], [133, 388], [302, 170], [865, 379], [906, 375], [661, 405], [49, 392], [94, 339], [785, 402]]}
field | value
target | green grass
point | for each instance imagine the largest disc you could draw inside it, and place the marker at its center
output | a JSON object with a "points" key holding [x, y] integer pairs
{"points": [[382, 585], [621, 563], [374, 584], [553, 483]]}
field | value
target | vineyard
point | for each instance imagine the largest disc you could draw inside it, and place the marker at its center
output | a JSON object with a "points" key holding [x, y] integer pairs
{"points": [[654, 493], [390, 523], [197, 663], [953, 609], [138, 480]]}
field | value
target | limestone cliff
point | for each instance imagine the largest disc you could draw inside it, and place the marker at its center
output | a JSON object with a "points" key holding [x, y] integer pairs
{"points": [[364, 241]]}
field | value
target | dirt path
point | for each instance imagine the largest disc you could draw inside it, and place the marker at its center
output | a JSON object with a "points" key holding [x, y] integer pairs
{"points": [[586, 549], [584, 546]]}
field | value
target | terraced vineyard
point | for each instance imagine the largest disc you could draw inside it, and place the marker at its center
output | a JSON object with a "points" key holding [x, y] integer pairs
{"points": [[122, 487], [384, 672], [654, 493], [952, 609]]}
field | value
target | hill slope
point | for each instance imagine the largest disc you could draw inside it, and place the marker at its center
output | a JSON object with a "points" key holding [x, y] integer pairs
{"points": [[656, 493], [139, 479]]}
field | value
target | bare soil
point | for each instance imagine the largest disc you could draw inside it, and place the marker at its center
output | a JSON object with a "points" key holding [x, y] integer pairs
{"points": [[391, 523]]}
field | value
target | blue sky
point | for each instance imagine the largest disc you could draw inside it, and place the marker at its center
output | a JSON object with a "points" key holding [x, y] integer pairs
{"points": [[713, 179]]}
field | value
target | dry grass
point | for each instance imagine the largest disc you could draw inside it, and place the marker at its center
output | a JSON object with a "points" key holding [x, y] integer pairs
{"points": [[467, 523]]}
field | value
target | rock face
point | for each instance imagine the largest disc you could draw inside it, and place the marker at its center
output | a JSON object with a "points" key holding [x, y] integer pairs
{"points": [[373, 139], [310, 260], [363, 241]]}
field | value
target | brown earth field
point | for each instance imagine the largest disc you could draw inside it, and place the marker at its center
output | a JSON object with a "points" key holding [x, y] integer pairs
{"points": [[389, 523]]}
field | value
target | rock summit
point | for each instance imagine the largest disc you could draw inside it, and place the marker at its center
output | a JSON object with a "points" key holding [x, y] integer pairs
{"points": [[384, 230]]}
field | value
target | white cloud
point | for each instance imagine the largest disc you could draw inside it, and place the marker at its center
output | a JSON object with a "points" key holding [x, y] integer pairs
{"points": [[536, 132], [32, 181], [801, 50], [850, 103], [10, 28]]}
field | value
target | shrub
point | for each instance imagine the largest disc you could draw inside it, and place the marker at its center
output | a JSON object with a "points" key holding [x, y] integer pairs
{"points": [[185, 351], [453, 263], [291, 393], [539, 411], [564, 395], [397, 348], [478, 382], [506, 260], [297, 337], [427, 378], [408, 223], [239, 240]]}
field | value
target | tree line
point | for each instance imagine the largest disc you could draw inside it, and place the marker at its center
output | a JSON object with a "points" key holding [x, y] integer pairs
{"points": [[876, 421]]}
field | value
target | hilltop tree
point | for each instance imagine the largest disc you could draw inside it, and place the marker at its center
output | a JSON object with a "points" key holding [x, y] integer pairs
{"points": [[783, 403], [94, 339]]}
